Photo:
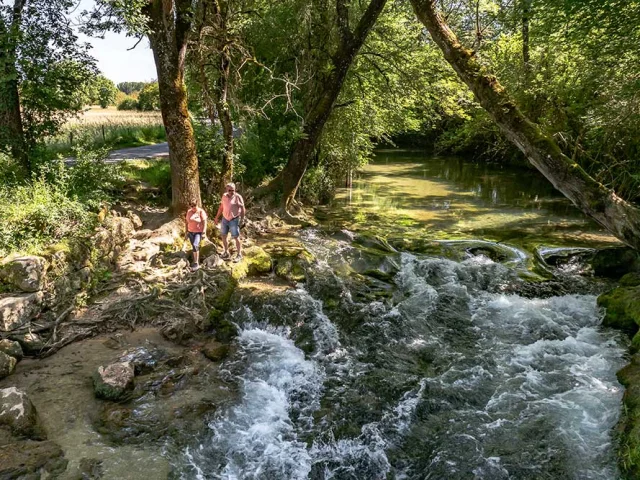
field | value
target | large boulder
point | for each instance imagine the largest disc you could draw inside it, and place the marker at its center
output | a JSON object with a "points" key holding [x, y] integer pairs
{"points": [[32, 460], [11, 348], [19, 415], [622, 306], [7, 365], [615, 262], [17, 310], [121, 228], [114, 381], [25, 273]]}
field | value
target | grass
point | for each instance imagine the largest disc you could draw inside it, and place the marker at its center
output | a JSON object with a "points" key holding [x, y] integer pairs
{"points": [[60, 203], [155, 173], [108, 127]]}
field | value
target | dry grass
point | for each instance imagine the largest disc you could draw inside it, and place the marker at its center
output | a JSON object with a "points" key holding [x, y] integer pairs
{"points": [[97, 127]]}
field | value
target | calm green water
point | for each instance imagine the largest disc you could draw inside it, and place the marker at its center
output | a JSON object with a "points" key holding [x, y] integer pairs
{"points": [[414, 194]]}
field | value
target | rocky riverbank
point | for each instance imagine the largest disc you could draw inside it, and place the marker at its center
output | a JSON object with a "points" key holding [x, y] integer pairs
{"points": [[144, 339]]}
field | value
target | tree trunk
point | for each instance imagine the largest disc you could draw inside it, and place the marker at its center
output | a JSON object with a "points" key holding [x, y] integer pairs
{"points": [[170, 24], [224, 115], [321, 107], [11, 129], [615, 214]]}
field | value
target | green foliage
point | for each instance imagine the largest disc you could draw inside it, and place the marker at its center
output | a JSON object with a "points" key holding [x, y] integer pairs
{"points": [[149, 98], [128, 104], [156, 173], [36, 214], [53, 69], [130, 87], [59, 202], [106, 92]]}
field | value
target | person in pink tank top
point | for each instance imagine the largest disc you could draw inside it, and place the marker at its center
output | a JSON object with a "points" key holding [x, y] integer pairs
{"points": [[232, 212], [196, 227]]}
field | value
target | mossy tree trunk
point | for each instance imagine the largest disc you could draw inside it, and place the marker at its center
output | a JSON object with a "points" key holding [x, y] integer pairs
{"points": [[170, 23], [612, 212], [323, 102], [11, 129]]}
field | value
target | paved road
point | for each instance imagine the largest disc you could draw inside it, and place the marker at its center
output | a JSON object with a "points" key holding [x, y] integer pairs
{"points": [[160, 150], [157, 151]]}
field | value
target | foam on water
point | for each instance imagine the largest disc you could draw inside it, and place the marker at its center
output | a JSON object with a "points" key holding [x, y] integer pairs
{"points": [[258, 438], [452, 380]]}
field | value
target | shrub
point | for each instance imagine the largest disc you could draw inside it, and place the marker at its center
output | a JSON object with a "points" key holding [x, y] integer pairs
{"points": [[36, 214], [149, 98], [128, 104]]}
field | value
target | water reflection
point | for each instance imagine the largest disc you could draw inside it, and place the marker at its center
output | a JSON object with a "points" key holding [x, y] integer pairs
{"points": [[445, 197]]}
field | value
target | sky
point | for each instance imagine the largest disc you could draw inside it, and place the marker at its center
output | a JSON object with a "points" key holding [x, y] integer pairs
{"points": [[114, 60]]}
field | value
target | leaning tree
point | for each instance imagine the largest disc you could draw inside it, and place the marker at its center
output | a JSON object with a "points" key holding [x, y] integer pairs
{"points": [[621, 218]]}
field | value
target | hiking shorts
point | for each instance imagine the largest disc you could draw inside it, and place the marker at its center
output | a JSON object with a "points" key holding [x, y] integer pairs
{"points": [[230, 226], [195, 238]]}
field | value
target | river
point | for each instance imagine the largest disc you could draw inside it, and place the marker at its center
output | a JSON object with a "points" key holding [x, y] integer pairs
{"points": [[387, 364]]}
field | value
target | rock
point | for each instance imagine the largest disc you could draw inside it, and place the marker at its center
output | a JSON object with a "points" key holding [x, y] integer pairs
{"points": [[32, 460], [144, 251], [57, 291], [7, 365], [31, 343], [622, 306], [373, 242], [11, 348], [90, 468], [615, 262], [113, 381], [142, 359], [26, 273], [18, 413], [17, 310], [258, 260], [103, 242], [212, 261], [135, 219], [142, 234], [215, 351], [121, 229], [630, 280]]}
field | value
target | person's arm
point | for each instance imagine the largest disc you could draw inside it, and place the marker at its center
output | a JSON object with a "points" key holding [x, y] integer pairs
{"points": [[204, 222], [217, 219], [243, 211]]}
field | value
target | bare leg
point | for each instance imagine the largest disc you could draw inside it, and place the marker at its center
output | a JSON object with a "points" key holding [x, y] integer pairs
{"points": [[225, 245], [238, 246], [196, 257]]}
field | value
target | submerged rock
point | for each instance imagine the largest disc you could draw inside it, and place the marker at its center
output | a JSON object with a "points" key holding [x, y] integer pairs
{"points": [[114, 381], [19, 415], [11, 348], [7, 365], [32, 460], [26, 273], [215, 351]]}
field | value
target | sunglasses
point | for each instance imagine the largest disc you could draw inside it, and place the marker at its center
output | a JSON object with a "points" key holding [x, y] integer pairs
{"points": [[230, 190]]}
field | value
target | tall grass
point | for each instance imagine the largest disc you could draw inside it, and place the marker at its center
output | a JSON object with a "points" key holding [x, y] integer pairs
{"points": [[108, 127]]}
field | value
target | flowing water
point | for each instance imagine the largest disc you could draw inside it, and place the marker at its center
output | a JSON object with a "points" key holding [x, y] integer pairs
{"points": [[444, 370]]}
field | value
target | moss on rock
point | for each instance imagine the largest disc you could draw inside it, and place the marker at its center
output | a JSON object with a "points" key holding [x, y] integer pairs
{"points": [[622, 306]]}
